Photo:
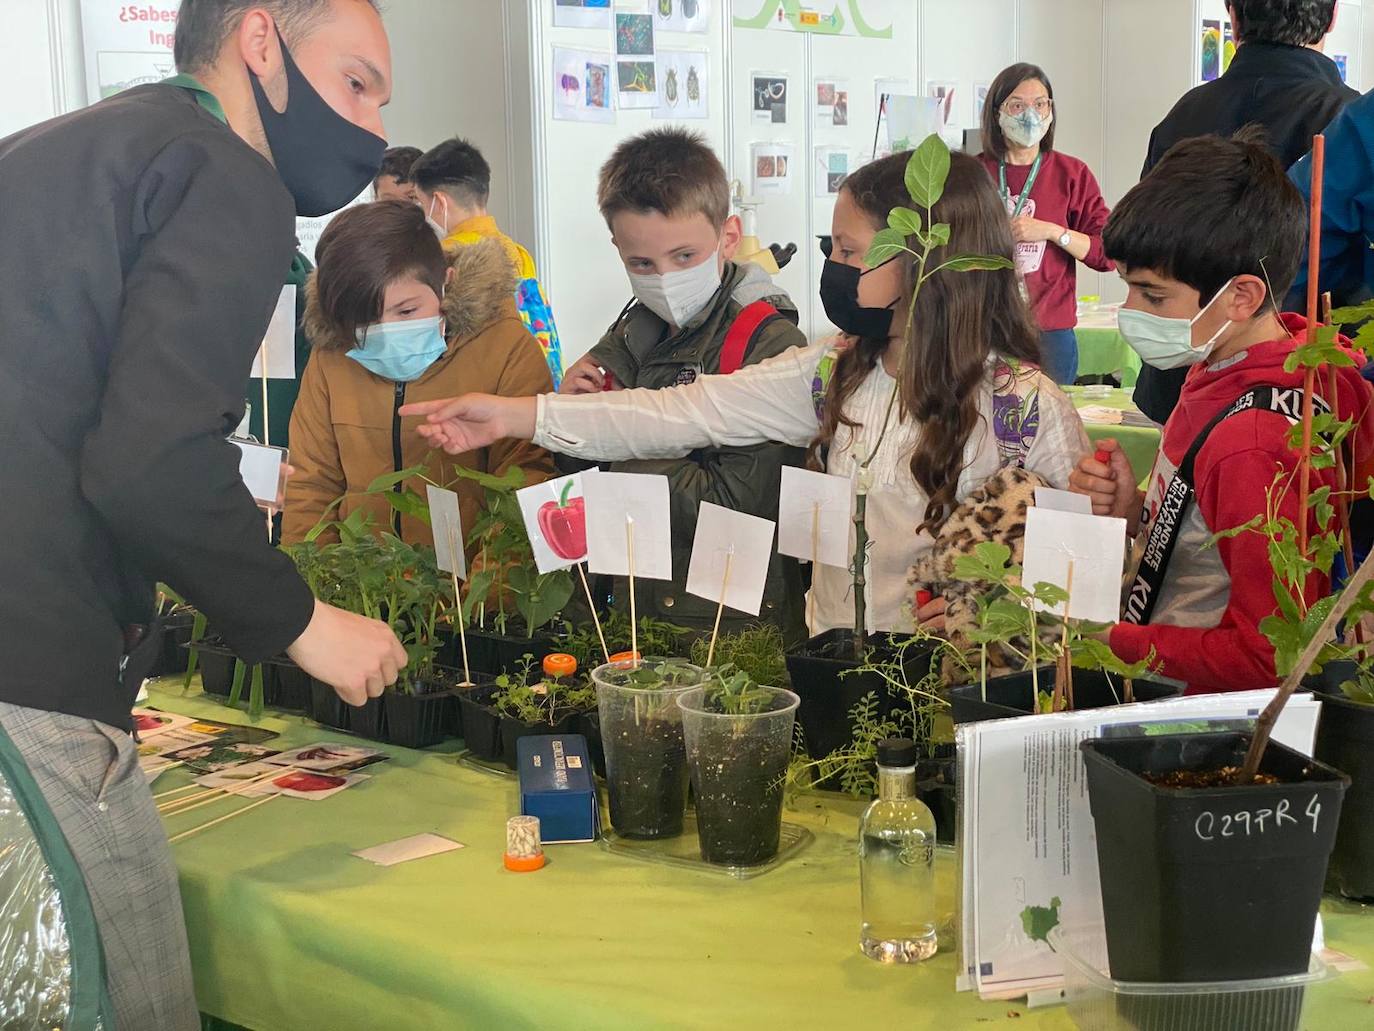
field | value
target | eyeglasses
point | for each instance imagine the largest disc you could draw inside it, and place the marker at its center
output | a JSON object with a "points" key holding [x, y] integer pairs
{"points": [[1016, 108]]}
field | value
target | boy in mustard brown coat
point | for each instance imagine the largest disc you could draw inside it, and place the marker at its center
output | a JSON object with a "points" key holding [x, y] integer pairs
{"points": [[392, 320]]}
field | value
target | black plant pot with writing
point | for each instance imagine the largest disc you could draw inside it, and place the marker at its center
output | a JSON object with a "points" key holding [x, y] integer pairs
{"points": [[1209, 884]]}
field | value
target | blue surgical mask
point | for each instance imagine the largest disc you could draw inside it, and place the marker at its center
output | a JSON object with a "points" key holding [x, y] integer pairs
{"points": [[1167, 343], [400, 351]]}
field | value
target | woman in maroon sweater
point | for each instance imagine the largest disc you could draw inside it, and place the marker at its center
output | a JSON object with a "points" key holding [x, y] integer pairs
{"points": [[1056, 207]]}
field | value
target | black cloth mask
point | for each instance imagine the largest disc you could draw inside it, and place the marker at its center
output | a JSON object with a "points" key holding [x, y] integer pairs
{"points": [[323, 159], [840, 296]]}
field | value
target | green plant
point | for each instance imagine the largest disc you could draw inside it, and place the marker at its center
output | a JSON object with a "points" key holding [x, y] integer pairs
{"points": [[732, 692], [758, 651], [855, 765], [918, 237], [544, 702], [656, 639], [1010, 613]]}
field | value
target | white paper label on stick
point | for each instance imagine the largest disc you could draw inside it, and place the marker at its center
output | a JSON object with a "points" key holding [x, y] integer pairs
{"points": [[555, 516], [1063, 501], [279, 345], [814, 516], [744, 543], [1095, 546], [447, 525], [629, 506], [262, 469]]}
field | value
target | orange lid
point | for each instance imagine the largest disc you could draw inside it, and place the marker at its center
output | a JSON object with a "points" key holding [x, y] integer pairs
{"points": [[626, 657], [524, 864], [559, 664]]}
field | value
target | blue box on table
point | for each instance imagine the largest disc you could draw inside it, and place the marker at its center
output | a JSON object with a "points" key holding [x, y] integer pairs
{"points": [[556, 785]]}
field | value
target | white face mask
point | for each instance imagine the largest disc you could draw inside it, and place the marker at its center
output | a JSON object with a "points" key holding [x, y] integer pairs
{"points": [[1026, 129], [677, 296], [439, 230], [1167, 343]]}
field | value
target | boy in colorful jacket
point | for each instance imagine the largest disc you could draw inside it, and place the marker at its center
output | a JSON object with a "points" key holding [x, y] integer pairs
{"points": [[453, 182]]}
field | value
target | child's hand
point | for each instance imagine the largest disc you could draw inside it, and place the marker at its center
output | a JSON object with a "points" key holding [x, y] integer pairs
{"points": [[930, 612], [1106, 477], [474, 421], [585, 377]]}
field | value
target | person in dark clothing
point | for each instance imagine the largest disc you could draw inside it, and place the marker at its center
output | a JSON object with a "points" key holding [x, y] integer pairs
{"points": [[1279, 79], [123, 362]]}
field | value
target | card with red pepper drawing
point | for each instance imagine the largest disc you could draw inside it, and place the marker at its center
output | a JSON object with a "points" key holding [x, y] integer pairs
{"points": [[555, 514]]}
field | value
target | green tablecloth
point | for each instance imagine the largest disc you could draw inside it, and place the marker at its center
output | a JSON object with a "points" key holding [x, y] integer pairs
{"points": [[290, 933], [1141, 443], [1104, 352]]}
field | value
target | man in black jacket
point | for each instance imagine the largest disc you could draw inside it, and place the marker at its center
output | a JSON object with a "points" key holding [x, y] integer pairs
{"points": [[145, 244], [1278, 79]]}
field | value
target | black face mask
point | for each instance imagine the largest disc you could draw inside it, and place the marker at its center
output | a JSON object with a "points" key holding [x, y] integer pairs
{"points": [[323, 159], [840, 296]]}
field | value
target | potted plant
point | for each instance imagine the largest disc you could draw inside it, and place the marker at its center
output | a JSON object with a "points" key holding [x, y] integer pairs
{"points": [[540, 707], [505, 578], [1232, 830], [641, 733], [738, 737], [1064, 667]]}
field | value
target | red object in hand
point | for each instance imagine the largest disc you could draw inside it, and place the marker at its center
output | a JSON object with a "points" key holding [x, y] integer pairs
{"points": [[923, 598], [1104, 457], [607, 379], [564, 525]]}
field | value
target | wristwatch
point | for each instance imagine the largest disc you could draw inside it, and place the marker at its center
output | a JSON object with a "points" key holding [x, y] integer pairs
{"points": [[1066, 239]]}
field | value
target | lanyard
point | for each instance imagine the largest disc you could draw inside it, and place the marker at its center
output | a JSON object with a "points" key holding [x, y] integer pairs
{"points": [[1030, 183], [204, 97]]}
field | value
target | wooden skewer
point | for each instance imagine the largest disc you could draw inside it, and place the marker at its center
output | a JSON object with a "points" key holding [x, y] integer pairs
{"points": [[179, 805], [1310, 377], [176, 791], [720, 609], [815, 566], [634, 615], [220, 819], [591, 604], [458, 598]]}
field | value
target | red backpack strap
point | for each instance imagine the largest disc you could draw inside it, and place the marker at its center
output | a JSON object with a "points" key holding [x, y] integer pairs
{"points": [[740, 335]]}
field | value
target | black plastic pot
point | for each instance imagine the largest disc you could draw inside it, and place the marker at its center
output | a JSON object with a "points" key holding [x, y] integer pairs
{"points": [[1011, 695], [481, 723], [326, 707], [369, 720], [1192, 888], [176, 634], [216, 669], [418, 720], [1345, 740], [288, 684], [512, 730], [490, 652], [589, 726], [816, 669]]}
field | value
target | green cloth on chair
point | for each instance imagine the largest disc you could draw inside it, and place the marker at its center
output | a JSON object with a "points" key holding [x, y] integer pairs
{"points": [[1104, 352]]}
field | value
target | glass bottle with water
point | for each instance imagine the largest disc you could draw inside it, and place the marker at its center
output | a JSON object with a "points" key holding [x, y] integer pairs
{"points": [[897, 863]]}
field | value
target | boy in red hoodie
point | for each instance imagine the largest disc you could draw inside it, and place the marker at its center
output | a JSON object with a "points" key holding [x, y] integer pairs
{"points": [[1205, 243]]}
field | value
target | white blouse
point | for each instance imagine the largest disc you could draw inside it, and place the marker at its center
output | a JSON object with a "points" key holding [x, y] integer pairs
{"points": [[773, 401]]}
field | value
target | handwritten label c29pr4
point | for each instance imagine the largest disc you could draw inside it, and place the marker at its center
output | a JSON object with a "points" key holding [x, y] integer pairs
{"points": [[1210, 826]]}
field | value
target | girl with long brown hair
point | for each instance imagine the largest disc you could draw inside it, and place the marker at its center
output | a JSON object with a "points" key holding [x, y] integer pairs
{"points": [[918, 419]]}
